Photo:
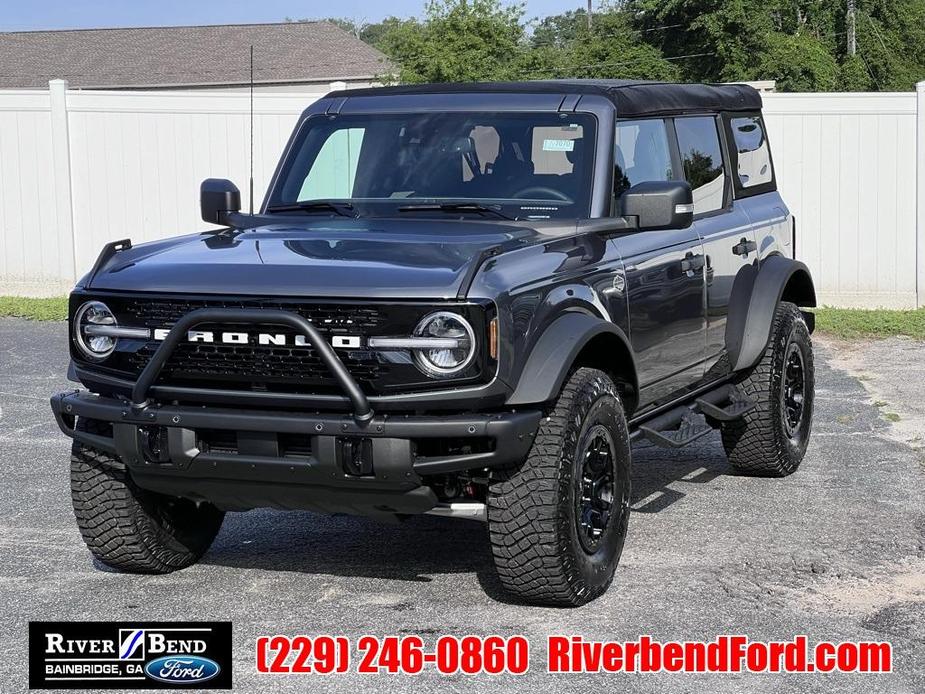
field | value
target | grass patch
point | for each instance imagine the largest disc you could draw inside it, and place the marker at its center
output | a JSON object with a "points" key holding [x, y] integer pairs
{"points": [[849, 323], [844, 323], [33, 309]]}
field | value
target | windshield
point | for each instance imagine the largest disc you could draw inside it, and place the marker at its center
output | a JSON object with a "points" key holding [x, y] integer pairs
{"points": [[519, 165]]}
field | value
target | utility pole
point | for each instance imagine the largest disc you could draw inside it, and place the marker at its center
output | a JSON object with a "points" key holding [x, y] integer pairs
{"points": [[852, 38], [589, 14]]}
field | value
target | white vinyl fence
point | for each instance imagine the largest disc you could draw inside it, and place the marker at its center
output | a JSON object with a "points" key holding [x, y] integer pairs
{"points": [[80, 168]]}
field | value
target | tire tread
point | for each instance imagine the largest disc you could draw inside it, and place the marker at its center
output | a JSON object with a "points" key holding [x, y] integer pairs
{"points": [[528, 536], [114, 518]]}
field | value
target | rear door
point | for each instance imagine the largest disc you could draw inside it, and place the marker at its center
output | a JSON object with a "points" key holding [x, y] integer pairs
{"points": [[664, 272], [722, 226]]}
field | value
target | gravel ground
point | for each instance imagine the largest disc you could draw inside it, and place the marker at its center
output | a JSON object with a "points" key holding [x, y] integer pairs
{"points": [[893, 372], [836, 551]]}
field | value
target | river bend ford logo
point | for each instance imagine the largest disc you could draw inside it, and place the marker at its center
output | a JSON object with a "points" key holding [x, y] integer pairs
{"points": [[126, 655]]}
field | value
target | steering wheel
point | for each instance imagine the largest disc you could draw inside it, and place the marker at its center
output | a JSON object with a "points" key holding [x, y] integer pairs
{"points": [[537, 193]]}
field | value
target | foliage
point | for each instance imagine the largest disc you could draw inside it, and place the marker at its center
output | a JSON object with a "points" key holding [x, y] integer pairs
{"points": [[802, 44], [712, 40], [457, 42], [559, 30], [799, 63], [611, 48]]}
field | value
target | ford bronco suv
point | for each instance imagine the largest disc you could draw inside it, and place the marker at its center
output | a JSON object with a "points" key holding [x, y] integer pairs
{"points": [[460, 299]]}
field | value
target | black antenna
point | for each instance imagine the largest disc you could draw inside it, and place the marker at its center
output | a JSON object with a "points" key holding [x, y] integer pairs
{"points": [[252, 132]]}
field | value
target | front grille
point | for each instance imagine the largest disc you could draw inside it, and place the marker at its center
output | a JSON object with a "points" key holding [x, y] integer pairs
{"points": [[252, 366], [285, 368], [160, 313]]}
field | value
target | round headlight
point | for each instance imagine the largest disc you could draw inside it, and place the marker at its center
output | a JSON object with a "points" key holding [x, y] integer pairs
{"points": [[445, 361], [90, 315]]}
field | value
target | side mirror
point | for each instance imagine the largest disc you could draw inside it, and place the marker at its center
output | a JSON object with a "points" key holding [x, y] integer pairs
{"points": [[659, 205], [218, 198]]}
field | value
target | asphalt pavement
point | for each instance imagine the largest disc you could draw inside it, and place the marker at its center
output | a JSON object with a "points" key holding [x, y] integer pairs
{"points": [[836, 552]]}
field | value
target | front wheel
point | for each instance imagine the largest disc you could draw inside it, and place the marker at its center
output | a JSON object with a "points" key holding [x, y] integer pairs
{"points": [[557, 523], [129, 528], [771, 440]]}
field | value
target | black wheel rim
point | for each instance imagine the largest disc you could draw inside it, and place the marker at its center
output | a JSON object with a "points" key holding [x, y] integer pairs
{"points": [[793, 395], [595, 503]]}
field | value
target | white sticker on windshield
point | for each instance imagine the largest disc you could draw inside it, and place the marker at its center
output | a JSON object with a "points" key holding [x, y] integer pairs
{"points": [[558, 145]]}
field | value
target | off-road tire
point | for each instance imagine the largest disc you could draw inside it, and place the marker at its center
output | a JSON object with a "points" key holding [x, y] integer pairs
{"points": [[533, 509], [129, 528], [759, 443]]}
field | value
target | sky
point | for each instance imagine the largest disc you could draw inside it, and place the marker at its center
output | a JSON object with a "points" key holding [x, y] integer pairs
{"points": [[26, 15]]}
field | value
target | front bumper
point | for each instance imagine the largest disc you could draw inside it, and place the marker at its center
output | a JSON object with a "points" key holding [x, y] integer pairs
{"points": [[339, 465]]}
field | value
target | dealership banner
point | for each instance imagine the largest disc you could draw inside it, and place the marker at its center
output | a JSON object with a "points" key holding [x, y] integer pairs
{"points": [[129, 655]]}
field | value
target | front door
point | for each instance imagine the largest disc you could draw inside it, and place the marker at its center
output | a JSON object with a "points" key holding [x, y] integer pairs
{"points": [[664, 290]]}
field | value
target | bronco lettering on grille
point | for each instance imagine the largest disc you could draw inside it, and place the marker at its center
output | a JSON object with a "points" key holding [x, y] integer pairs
{"points": [[264, 339]]}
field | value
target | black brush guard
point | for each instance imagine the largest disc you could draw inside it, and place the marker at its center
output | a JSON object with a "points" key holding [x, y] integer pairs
{"points": [[362, 411], [260, 472]]}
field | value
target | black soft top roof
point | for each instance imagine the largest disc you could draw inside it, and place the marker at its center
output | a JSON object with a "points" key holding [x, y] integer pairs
{"points": [[631, 97]]}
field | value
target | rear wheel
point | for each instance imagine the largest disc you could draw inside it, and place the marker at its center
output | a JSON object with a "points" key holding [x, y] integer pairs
{"points": [[771, 440], [558, 523], [129, 528]]}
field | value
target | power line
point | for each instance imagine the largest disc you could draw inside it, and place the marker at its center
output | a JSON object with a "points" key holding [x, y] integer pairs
{"points": [[877, 32]]}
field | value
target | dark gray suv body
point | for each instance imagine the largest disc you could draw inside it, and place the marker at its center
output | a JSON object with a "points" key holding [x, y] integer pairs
{"points": [[455, 299]]}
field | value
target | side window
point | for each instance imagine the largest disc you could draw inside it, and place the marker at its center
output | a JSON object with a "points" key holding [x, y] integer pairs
{"points": [[335, 168], [753, 156], [702, 159], [641, 154]]}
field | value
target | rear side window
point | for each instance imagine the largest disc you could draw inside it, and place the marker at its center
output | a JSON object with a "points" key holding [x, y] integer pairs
{"points": [[641, 154], [702, 159], [753, 155]]}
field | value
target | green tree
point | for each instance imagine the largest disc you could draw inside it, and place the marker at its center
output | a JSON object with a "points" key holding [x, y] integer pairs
{"points": [[374, 34], [458, 41], [802, 44], [799, 62], [559, 30], [611, 48], [710, 40], [891, 42], [854, 76], [540, 62]]}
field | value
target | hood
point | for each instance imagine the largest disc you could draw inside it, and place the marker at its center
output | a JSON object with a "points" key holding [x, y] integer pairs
{"points": [[366, 258]]}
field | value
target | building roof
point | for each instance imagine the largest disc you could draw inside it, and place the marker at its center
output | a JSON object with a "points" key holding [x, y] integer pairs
{"points": [[294, 52], [631, 97]]}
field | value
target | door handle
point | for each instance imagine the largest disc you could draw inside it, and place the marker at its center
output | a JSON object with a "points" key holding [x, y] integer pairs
{"points": [[744, 247], [692, 263]]}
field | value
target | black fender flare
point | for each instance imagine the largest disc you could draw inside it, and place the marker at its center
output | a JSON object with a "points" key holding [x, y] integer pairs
{"points": [[554, 353], [756, 291]]}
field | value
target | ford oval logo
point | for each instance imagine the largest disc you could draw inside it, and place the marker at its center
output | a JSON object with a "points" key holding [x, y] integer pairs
{"points": [[182, 669]]}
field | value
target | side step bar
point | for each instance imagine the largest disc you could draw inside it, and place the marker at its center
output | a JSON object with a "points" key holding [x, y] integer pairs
{"points": [[685, 424], [473, 510]]}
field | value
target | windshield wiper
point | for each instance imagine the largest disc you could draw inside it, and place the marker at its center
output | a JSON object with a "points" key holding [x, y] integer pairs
{"points": [[455, 207], [345, 209]]}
